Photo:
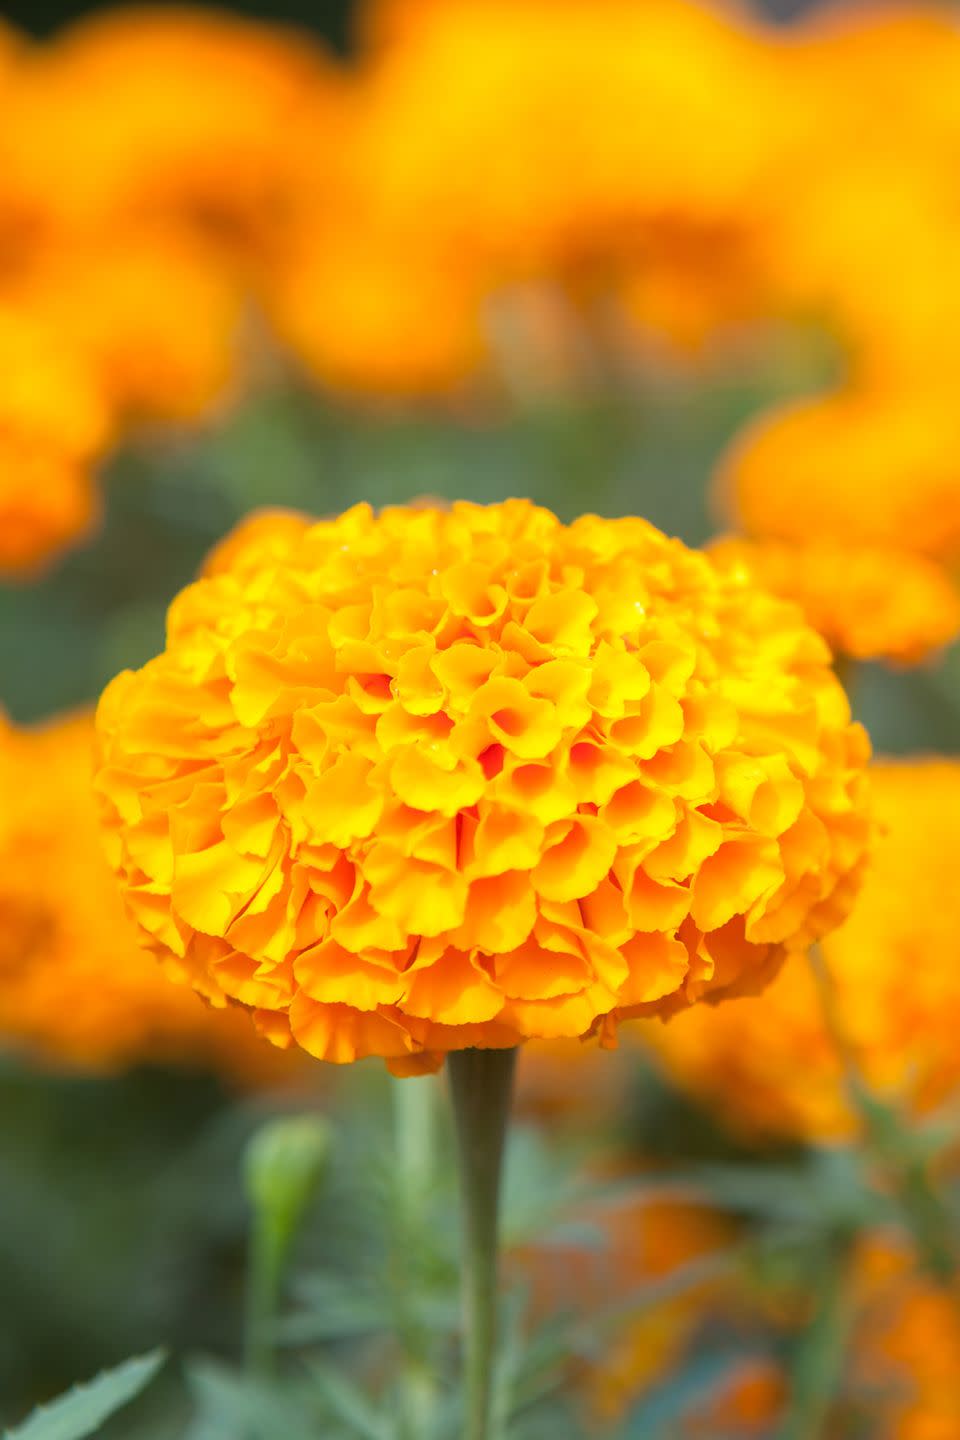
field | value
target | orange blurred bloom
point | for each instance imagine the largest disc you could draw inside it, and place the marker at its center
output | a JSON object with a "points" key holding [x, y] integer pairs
{"points": [[610, 152], [644, 1243], [75, 986], [869, 192], [54, 426], [159, 114], [855, 467], [771, 1065], [439, 778], [869, 603], [900, 1360], [156, 317], [907, 1344]]}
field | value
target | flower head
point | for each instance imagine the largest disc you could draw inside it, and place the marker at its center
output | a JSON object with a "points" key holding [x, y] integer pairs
{"points": [[614, 208], [54, 424], [165, 113], [155, 317], [867, 601], [855, 467], [442, 778], [75, 986], [773, 1066]]}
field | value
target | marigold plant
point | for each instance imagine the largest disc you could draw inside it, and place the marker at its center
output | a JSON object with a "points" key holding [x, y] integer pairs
{"points": [[437, 779], [901, 1353], [76, 988], [774, 1066], [901, 1341], [908, 1335]]}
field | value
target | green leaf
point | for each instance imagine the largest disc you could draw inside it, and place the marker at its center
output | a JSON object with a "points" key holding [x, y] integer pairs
{"points": [[230, 1406], [82, 1410], [348, 1403], [667, 1404]]}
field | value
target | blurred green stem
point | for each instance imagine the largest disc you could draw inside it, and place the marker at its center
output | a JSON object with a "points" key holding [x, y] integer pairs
{"points": [[818, 1363], [265, 1267], [413, 1123], [414, 1102], [284, 1163], [481, 1086]]}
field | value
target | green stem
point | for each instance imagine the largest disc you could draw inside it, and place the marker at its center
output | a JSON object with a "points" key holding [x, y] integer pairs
{"points": [[481, 1086], [283, 1166], [819, 1360], [413, 1123], [263, 1293], [413, 1104]]}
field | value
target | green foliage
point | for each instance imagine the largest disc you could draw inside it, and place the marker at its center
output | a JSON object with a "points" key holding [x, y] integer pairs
{"points": [[82, 1411]]}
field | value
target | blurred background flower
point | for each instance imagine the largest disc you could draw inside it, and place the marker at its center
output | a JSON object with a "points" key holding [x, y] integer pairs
{"points": [[775, 1065]]}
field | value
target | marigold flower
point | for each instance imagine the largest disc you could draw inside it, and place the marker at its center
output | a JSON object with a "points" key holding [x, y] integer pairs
{"points": [[353, 310], [75, 986], [616, 206], [869, 188], [436, 779], [773, 1066], [864, 467], [166, 113], [154, 315], [54, 424], [868, 602]]}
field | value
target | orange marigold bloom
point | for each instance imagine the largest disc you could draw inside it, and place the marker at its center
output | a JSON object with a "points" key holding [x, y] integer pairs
{"points": [[772, 1066], [642, 202], [868, 602], [870, 190], [75, 986], [442, 778], [160, 112], [154, 315], [908, 1339], [858, 466], [54, 424]]}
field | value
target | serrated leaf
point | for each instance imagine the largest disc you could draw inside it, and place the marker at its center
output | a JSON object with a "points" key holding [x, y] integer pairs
{"points": [[82, 1410]]}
